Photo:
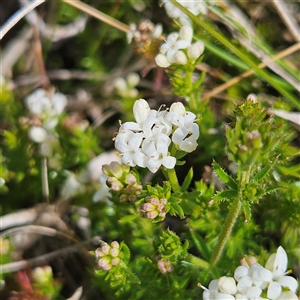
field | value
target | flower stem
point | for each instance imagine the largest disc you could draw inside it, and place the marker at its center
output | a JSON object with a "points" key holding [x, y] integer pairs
{"points": [[229, 222], [173, 180]]}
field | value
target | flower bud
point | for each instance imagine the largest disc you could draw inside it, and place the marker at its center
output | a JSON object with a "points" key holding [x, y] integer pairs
{"points": [[178, 107], [186, 33], [120, 84], [195, 50], [141, 110], [227, 285], [133, 79], [162, 61], [180, 58]]}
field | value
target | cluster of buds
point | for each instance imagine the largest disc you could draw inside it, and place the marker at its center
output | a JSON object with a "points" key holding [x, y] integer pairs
{"points": [[108, 255], [164, 266], [147, 38], [155, 207], [123, 183], [126, 87], [255, 281], [178, 49]]}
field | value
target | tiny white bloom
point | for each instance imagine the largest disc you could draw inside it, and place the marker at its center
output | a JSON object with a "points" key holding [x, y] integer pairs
{"points": [[277, 265], [172, 45], [37, 134]]}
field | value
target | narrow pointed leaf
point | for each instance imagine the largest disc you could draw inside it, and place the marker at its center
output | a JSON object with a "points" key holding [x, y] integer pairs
{"points": [[225, 195], [187, 180], [247, 211], [262, 173], [200, 244], [224, 176]]}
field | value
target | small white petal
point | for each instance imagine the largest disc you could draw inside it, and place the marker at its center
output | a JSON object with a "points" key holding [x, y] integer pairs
{"points": [[213, 286], [259, 273], [253, 292], [240, 271], [274, 290], [169, 162], [241, 297], [188, 145], [288, 282], [244, 283], [223, 296], [288, 296], [280, 263]]}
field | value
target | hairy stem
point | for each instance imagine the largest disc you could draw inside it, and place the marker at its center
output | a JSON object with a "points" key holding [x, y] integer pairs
{"points": [[229, 223]]}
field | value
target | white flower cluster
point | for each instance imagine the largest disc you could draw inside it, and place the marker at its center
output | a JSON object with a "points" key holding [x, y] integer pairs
{"points": [[47, 106], [178, 48], [256, 282], [126, 87], [145, 143], [196, 7]]}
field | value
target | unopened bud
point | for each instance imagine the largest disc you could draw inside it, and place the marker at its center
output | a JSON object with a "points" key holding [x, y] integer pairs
{"points": [[162, 61], [186, 33], [180, 58], [195, 50]]}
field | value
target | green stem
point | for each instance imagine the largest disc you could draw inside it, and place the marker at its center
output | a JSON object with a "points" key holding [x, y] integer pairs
{"points": [[173, 180], [229, 222]]}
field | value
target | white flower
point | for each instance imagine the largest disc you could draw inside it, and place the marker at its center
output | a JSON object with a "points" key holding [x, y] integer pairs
{"points": [[187, 133], [213, 293], [40, 102], [173, 44], [128, 145], [227, 285], [157, 153], [277, 264], [132, 33], [37, 134]]}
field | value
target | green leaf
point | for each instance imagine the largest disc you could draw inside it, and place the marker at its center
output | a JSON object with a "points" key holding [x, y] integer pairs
{"points": [[187, 180], [200, 244], [291, 171], [262, 173], [176, 210], [247, 211], [224, 176], [228, 194]]}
